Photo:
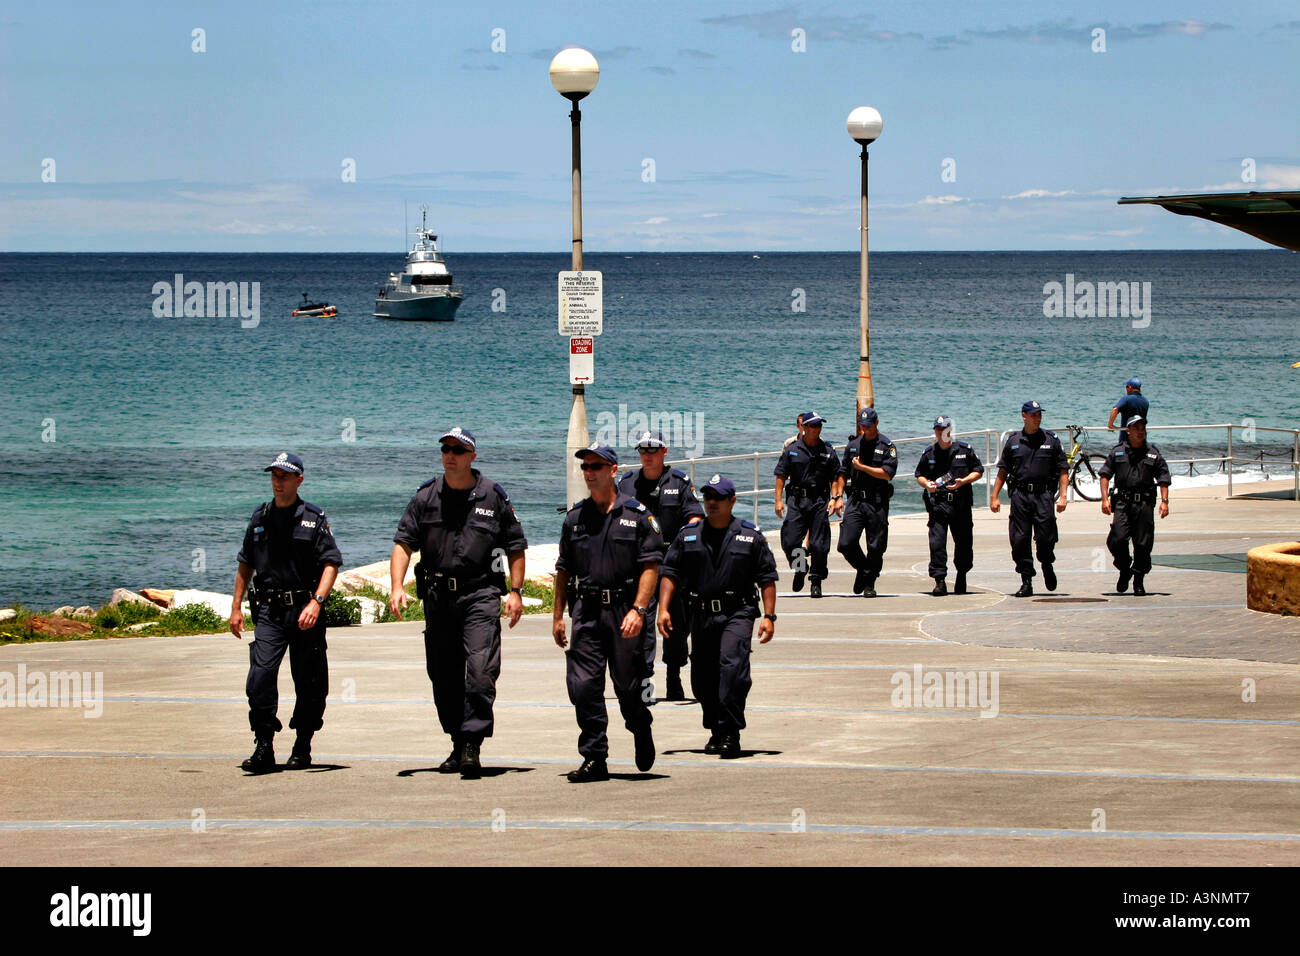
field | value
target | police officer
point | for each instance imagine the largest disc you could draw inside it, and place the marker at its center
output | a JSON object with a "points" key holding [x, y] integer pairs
{"points": [[717, 565], [1033, 466], [1139, 471], [945, 473], [670, 497], [1133, 403], [292, 560], [607, 571], [867, 470], [798, 432], [808, 473], [462, 524]]}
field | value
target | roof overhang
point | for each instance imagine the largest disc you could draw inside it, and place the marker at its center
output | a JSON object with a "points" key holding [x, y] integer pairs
{"points": [[1271, 216]]}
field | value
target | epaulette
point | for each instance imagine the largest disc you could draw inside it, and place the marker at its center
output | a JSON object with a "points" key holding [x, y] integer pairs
{"points": [[260, 511], [312, 508], [679, 473], [750, 525], [502, 492], [636, 505], [625, 476], [427, 483]]}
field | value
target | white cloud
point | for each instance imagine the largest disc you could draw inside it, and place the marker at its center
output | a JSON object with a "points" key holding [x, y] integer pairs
{"points": [[941, 200], [653, 221], [1041, 194]]}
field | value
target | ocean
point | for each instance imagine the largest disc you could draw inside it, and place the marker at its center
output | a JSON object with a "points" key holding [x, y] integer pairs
{"points": [[132, 445]]}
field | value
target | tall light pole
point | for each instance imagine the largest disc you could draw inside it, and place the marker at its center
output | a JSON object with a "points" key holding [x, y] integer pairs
{"points": [[864, 125], [574, 73]]}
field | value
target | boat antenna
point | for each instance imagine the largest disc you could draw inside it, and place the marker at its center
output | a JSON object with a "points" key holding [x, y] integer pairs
{"points": [[406, 226]]}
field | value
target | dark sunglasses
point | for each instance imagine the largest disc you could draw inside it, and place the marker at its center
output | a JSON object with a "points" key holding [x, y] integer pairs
{"points": [[594, 466], [647, 450], [710, 496], [455, 450]]}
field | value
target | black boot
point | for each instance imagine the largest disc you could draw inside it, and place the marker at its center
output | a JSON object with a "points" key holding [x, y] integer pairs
{"points": [[729, 745], [593, 769], [675, 689], [470, 769], [940, 588], [869, 589], [1122, 584], [262, 759], [1049, 577], [1026, 586], [452, 763], [860, 581], [300, 759], [1138, 589], [959, 586], [815, 588], [797, 584]]}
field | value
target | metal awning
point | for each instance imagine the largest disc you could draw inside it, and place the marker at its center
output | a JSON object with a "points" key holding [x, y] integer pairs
{"points": [[1271, 216]]}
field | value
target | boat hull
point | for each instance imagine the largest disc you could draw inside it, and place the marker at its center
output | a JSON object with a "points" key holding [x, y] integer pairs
{"points": [[417, 308]]}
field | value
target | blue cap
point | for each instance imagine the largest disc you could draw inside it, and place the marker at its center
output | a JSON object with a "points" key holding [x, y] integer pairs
{"points": [[811, 419], [720, 486], [463, 435], [943, 421], [1134, 419], [286, 462], [868, 416], [1031, 406], [602, 451], [1135, 382], [649, 440]]}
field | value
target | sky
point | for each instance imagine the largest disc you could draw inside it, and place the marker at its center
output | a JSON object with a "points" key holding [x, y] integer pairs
{"points": [[715, 126]]}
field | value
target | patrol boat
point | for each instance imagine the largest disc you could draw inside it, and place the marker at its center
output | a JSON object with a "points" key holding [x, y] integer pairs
{"points": [[423, 290]]}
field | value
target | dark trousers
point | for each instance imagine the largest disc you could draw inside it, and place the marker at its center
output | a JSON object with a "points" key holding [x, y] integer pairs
{"points": [[720, 677], [860, 516], [1036, 511], [462, 654], [597, 641], [675, 649], [1132, 521], [958, 520], [277, 631], [807, 516]]}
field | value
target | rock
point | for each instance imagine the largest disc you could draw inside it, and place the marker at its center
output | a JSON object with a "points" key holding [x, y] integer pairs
{"points": [[141, 627], [85, 611], [66, 611], [220, 603], [126, 595], [58, 627], [8, 614], [371, 610], [531, 601], [163, 598]]}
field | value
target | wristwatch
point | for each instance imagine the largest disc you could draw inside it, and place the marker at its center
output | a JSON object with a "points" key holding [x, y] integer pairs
{"points": [[318, 599], [770, 617], [519, 591], [643, 611]]}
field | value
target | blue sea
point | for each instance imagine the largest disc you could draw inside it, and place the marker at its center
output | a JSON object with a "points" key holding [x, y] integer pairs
{"points": [[132, 445]]}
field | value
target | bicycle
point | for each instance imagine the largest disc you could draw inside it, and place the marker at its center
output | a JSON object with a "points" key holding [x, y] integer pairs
{"points": [[1081, 468]]}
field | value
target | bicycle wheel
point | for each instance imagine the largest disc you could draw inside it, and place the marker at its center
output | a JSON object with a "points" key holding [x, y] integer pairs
{"points": [[1084, 479]]}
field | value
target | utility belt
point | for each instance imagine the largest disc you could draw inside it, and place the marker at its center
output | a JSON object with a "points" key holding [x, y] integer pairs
{"points": [[265, 596], [875, 496], [1147, 495], [434, 584], [798, 493], [946, 497], [624, 593], [1035, 487], [728, 602]]}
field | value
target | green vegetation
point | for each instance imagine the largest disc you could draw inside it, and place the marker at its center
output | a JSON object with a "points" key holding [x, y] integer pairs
{"points": [[191, 619], [339, 611], [112, 616]]}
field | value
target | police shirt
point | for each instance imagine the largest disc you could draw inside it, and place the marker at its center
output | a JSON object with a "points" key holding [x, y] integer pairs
{"points": [[670, 498], [956, 461], [1136, 469], [288, 548], [1036, 457], [878, 452], [456, 532], [741, 561], [607, 549], [808, 469]]}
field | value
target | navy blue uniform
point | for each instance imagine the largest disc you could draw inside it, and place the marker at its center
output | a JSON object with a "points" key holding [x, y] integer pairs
{"points": [[1135, 473], [671, 499], [288, 550], [1033, 464], [808, 474], [716, 572], [602, 552], [866, 502], [950, 511], [463, 538]]}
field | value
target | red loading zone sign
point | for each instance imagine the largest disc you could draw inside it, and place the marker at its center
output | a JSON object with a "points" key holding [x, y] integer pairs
{"points": [[582, 360]]}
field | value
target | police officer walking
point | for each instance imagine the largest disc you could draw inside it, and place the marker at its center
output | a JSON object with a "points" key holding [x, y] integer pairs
{"points": [[867, 470], [1033, 466], [462, 524], [717, 566], [1138, 470], [1133, 403], [945, 473], [290, 556], [670, 497], [607, 571], [808, 473]]}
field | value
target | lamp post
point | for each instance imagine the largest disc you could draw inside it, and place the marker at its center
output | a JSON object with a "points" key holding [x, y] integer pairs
{"points": [[574, 73], [864, 125]]}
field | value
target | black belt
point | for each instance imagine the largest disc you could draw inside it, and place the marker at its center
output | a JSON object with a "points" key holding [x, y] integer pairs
{"points": [[798, 493], [286, 598], [452, 584], [1033, 487], [944, 495], [723, 604], [625, 594], [872, 496], [1133, 496]]}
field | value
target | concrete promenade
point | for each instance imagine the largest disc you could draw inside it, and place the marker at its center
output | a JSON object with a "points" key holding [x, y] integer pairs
{"points": [[1118, 733]]}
